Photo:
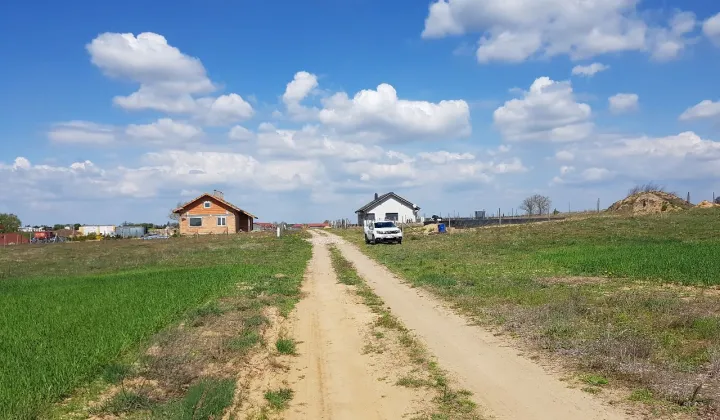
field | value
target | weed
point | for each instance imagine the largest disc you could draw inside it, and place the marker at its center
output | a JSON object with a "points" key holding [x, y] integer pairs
{"points": [[124, 402], [279, 399], [246, 341], [411, 382], [535, 281], [107, 299], [642, 395], [115, 372], [208, 399], [255, 321], [285, 345], [592, 390], [595, 380]]}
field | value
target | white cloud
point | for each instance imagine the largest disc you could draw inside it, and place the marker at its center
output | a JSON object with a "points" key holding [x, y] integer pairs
{"points": [[170, 81], [299, 88], [548, 111], [589, 70], [82, 132], [518, 30], [225, 109], [164, 130], [381, 115], [685, 156], [711, 29], [442, 157], [705, 109], [668, 43], [515, 31], [241, 133], [310, 142], [564, 155], [623, 102]]}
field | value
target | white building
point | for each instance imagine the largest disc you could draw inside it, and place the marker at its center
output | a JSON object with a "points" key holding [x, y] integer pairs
{"points": [[388, 206], [104, 230]]}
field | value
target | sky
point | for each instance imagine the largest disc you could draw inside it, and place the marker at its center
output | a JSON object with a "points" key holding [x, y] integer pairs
{"points": [[302, 111]]}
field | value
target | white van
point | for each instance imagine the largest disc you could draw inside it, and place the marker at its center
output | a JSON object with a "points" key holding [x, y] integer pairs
{"points": [[382, 231]]}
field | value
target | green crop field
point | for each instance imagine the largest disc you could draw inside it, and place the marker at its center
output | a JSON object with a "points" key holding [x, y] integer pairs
{"points": [[72, 310], [634, 299]]}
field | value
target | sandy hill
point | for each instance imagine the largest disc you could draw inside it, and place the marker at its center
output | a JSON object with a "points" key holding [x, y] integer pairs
{"points": [[650, 202], [707, 204]]}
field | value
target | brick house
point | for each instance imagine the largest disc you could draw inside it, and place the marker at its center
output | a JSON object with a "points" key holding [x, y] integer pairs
{"points": [[211, 214]]}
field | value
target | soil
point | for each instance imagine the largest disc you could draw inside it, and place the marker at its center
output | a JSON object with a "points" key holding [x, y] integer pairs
{"points": [[707, 205], [505, 384], [333, 376], [650, 202]]}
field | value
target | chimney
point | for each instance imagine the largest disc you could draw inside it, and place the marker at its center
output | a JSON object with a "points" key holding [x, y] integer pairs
{"points": [[376, 196], [218, 194]]}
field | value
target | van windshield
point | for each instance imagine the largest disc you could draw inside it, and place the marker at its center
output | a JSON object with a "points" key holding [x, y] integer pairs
{"points": [[384, 224]]}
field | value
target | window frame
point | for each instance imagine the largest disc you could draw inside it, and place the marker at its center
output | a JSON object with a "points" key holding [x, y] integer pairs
{"points": [[224, 220], [207, 204], [388, 216], [190, 219]]}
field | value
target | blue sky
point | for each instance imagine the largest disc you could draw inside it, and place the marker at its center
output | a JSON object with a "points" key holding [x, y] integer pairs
{"points": [[300, 111]]}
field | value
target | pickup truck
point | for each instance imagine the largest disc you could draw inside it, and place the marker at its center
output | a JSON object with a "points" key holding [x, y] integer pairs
{"points": [[382, 231]]}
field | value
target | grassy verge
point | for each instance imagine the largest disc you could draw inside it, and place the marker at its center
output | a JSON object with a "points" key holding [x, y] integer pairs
{"points": [[608, 294], [449, 402], [86, 327]]}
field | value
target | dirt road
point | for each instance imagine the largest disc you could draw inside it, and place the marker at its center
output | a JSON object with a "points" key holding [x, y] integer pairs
{"points": [[505, 384], [332, 376]]}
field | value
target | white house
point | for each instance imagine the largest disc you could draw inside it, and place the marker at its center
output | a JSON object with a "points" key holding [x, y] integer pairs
{"points": [[388, 206], [105, 230]]}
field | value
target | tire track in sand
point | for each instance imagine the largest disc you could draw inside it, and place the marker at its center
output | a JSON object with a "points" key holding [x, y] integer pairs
{"points": [[332, 377], [504, 383]]}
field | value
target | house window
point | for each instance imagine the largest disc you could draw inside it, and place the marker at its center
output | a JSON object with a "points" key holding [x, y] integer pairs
{"points": [[195, 221], [207, 204], [370, 216], [221, 221], [391, 216]]}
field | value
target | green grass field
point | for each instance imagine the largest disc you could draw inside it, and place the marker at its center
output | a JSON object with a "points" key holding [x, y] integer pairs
{"points": [[612, 294], [70, 311]]}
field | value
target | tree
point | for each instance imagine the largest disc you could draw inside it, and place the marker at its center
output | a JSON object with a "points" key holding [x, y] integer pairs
{"points": [[536, 204], [58, 227], [76, 226], [9, 223], [175, 216], [528, 205]]}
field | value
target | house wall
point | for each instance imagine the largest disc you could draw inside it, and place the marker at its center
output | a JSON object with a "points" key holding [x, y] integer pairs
{"points": [[235, 222], [391, 205], [97, 230]]}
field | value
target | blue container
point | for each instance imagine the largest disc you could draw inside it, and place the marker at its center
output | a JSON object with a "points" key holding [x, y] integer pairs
{"points": [[441, 228]]}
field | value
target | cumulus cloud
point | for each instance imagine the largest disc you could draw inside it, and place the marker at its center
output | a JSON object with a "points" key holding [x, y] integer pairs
{"points": [[310, 142], [518, 30], [548, 111], [82, 132], [169, 80], [241, 133], [685, 156], [299, 88], [623, 102], [164, 130], [381, 115], [711, 29], [590, 70], [705, 109]]}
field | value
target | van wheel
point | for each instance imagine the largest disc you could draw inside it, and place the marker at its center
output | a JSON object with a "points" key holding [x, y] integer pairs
{"points": [[373, 241], [367, 241]]}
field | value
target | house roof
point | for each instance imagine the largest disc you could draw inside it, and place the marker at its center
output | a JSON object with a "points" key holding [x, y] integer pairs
{"points": [[232, 206], [384, 197]]}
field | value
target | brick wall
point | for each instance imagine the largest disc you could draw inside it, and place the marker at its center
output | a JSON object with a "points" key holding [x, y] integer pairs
{"points": [[209, 224]]}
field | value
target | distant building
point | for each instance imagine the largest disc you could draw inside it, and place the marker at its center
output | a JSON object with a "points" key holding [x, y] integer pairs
{"points": [[388, 206], [210, 213], [104, 230]]}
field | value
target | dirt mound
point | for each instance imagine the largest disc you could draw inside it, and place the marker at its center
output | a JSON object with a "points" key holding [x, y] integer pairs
{"points": [[707, 205], [650, 202]]}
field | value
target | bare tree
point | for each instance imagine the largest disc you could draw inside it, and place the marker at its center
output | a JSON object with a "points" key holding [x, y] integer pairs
{"points": [[643, 188], [528, 205], [175, 216], [536, 204], [542, 203]]}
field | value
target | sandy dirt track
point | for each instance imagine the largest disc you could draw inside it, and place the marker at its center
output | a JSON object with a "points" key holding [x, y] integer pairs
{"points": [[333, 378], [505, 384]]}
